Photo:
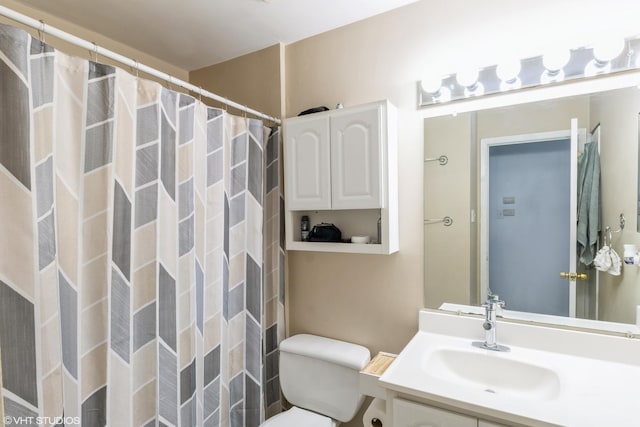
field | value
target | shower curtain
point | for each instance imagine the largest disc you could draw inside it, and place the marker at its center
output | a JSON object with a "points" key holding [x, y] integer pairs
{"points": [[141, 264]]}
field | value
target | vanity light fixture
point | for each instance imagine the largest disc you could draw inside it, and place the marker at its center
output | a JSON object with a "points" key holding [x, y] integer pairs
{"points": [[555, 67]]}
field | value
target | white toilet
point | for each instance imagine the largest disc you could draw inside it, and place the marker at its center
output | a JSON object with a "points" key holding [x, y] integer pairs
{"points": [[320, 377]]}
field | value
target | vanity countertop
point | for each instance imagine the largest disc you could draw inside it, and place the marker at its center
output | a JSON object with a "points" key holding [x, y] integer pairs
{"points": [[549, 377]]}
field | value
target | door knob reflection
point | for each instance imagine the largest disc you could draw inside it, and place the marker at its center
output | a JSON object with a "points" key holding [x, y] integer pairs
{"points": [[573, 276]]}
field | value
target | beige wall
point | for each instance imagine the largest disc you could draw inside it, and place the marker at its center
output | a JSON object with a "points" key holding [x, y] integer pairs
{"points": [[89, 35], [367, 299], [545, 116], [617, 113], [255, 80], [371, 300]]}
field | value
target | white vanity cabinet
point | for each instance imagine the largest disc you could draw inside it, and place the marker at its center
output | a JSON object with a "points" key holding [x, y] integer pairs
{"points": [[483, 423], [411, 414], [340, 166]]}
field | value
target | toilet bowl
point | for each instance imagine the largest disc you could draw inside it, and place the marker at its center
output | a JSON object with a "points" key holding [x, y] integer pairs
{"points": [[319, 376]]}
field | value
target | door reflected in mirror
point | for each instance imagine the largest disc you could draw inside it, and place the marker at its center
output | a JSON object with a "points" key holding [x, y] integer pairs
{"points": [[527, 191]]}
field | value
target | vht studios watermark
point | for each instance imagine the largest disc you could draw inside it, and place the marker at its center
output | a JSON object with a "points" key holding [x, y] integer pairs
{"points": [[41, 421]]}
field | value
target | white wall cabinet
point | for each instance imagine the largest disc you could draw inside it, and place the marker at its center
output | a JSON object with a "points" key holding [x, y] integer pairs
{"points": [[356, 158], [308, 173], [340, 166]]}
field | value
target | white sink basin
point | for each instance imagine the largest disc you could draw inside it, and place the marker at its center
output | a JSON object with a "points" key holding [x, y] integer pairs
{"points": [[488, 371]]}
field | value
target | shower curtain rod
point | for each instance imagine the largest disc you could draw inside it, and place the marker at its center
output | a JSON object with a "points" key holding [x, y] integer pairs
{"points": [[92, 47]]}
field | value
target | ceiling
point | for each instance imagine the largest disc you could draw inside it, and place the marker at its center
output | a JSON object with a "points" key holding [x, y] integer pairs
{"points": [[192, 34]]}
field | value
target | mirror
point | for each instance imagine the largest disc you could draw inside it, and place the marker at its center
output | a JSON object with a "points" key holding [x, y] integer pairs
{"points": [[638, 212], [456, 256]]}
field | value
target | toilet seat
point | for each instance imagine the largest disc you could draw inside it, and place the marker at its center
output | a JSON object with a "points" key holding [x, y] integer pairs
{"points": [[297, 417]]}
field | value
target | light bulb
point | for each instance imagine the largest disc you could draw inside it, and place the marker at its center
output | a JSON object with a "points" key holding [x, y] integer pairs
{"points": [[443, 95], [508, 71], [467, 77], [431, 84], [554, 62], [595, 67], [510, 85], [556, 59], [607, 49], [477, 89], [551, 76]]}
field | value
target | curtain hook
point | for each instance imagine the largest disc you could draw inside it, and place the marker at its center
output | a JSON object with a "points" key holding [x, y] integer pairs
{"points": [[137, 68], [226, 105], [42, 34], [200, 94], [95, 52], [169, 81]]}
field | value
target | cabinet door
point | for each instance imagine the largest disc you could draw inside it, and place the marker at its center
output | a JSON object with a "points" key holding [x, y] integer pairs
{"points": [[356, 179], [307, 170], [483, 423], [410, 414]]}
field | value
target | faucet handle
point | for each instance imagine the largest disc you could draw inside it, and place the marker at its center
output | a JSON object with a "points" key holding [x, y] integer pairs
{"points": [[494, 300]]}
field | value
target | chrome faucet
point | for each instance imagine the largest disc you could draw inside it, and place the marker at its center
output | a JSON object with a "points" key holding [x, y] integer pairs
{"points": [[489, 325]]}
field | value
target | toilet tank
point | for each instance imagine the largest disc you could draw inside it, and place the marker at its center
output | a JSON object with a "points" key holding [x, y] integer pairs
{"points": [[321, 374]]}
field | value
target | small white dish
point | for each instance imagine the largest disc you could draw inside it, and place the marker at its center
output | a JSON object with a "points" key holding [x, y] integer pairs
{"points": [[360, 239]]}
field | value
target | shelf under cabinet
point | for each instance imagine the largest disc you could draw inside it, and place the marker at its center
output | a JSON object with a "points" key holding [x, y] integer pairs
{"points": [[357, 222], [353, 248]]}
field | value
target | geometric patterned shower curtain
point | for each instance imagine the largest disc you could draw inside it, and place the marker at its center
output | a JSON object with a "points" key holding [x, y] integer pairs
{"points": [[141, 263]]}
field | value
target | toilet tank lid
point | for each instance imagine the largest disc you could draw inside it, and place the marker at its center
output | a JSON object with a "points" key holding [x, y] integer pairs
{"points": [[334, 351]]}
